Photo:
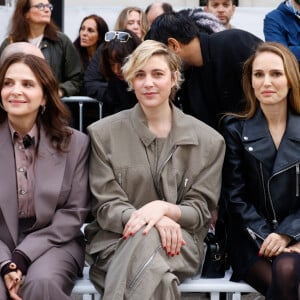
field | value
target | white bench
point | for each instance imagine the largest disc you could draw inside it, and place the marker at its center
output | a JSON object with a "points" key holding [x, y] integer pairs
{"points": [[214, 287]]}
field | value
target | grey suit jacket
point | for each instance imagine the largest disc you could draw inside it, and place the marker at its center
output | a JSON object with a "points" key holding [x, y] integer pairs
{"points": [[61, 197]]}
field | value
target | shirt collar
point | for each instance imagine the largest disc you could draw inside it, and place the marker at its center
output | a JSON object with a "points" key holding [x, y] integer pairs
{"points": [[33, 133]]}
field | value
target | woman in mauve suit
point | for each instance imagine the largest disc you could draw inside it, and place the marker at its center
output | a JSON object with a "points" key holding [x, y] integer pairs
{"points": [[44, 185]]}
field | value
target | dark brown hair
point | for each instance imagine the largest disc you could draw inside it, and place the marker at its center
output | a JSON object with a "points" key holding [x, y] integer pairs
{"points": [[116, 51], [56, 116], [19, 27], [102, 28]]}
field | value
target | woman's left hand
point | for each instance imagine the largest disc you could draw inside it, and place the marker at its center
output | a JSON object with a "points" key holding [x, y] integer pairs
{"points": [[274, 244], [13, 281], [171, 235], [148, 216], [293, 249]]}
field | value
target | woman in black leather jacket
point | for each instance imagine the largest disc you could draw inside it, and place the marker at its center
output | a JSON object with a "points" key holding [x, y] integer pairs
{"points": [[261, 179]]}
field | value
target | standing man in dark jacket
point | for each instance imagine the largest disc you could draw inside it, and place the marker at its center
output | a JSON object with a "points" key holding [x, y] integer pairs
{"points": [[282, 25], [213, 65]]}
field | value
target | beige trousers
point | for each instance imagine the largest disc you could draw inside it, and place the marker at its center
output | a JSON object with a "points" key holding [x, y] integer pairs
{"points": [[140, 269]]}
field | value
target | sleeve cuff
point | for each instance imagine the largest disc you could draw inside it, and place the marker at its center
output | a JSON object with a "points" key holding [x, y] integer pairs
{"points": [[21, 260]]}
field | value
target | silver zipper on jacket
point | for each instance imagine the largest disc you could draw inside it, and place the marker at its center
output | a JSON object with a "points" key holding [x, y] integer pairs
{"points": [[254, 234], [274, 221], [275, 174], [161, 168], [144, 266], [297, 180], [180, 194], [167, 159], [120, 179]]}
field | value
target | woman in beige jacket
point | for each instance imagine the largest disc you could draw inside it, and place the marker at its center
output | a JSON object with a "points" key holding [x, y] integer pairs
{"points": [[155, 177]]}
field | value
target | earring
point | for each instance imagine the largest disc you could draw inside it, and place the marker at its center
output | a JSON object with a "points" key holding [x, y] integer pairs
{"points": [[42, 109]]}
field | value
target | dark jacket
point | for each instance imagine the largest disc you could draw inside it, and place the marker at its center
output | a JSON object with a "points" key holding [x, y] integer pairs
{"points": [[260, 185], [113, 94], [94, 83], [281, 25], [215, 87], [64, 61]]}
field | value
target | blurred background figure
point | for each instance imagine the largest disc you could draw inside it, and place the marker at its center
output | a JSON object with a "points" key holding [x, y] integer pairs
{"points": [[282, 25], [31, 22], [156, 9], [20, 47], [206, 22], [91, 35], [222, 9], [103, 78], [134, 19]]}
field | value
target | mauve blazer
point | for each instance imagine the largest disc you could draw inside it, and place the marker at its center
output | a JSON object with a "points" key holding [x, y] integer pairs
{"points": [[61, 196]]}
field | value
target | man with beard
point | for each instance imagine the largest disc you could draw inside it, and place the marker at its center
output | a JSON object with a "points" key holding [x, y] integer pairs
{"points": [[222, 9]]}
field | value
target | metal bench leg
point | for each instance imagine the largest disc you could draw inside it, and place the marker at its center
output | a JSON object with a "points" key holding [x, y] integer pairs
{"points": [[100, 110], [236, 296], [80, 116], [214, 296]]}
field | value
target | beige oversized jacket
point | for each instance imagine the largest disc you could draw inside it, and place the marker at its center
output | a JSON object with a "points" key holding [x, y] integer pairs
{"points": [[188, 173]]}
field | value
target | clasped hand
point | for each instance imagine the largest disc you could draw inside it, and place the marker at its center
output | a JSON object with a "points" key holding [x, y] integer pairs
{"points": [[274, 245], [163, 217], [13, 281]]}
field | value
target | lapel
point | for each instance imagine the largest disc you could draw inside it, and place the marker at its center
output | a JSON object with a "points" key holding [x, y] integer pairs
{"points": [[49, 174], [8, 182], [289, 148], [259, 143]]}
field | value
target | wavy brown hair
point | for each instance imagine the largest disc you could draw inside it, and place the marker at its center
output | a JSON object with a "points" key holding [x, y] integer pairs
{"points": [[19, 27], [291, 70], [56, 116], [102, 28]]}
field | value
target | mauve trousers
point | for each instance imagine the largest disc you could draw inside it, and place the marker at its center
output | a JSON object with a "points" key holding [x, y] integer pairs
{"points": [[50, 277]]}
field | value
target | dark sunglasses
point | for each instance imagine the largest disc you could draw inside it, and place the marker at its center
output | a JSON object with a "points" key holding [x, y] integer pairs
{"points": [[122, 36], [42, 6]]}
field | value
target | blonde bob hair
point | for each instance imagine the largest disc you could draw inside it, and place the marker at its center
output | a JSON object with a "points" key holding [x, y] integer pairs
{"points": [[291, 70], [140, 56]]}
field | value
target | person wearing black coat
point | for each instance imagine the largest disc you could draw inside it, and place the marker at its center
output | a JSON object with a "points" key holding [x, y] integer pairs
{"points": [[213, 65], [261, 175]]}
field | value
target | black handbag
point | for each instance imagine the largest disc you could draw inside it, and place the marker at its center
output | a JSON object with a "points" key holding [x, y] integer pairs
{"points": [[215, 261]]}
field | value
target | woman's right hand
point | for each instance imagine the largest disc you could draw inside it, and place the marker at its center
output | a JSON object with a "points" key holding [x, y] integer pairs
{"points": [[13, 282], [171, 235], [274, 244]]}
